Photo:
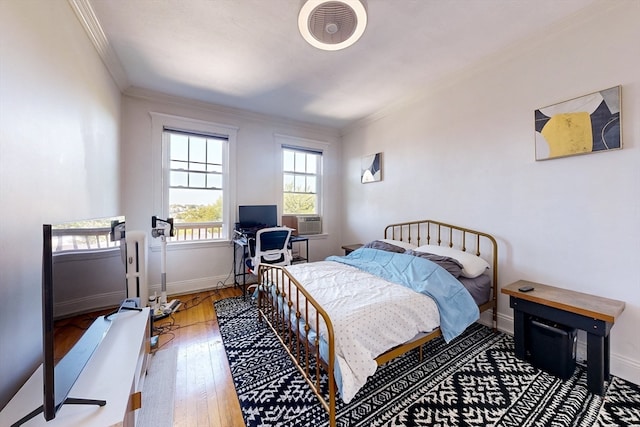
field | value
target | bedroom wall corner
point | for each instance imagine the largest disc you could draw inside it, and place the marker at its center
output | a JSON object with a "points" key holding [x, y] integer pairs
{"points": [[464, 153]]}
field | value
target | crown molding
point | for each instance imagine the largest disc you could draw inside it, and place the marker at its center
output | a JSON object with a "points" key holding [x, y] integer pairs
{"points": [[89, 21], [230, 113]]}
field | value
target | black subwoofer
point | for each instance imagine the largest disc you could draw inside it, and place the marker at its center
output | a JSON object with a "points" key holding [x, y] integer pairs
{"points": [[553, 347]]}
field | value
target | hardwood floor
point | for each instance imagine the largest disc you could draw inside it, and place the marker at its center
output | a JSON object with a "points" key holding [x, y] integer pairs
{"points": [[205, 395]]}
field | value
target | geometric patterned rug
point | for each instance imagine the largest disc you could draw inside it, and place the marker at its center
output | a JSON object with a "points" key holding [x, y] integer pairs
{"points": [[473, 381]]}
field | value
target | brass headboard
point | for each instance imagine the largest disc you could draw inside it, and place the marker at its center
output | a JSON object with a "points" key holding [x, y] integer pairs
{"points": [[430, 232]]}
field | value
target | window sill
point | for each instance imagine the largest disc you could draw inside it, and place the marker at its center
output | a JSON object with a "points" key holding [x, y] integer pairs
{"points": [[190, 245]]}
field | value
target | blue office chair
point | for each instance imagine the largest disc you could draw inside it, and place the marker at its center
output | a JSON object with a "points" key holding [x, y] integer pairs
{"points": [[270, 246]]}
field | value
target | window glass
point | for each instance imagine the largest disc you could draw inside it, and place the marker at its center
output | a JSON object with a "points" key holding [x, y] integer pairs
{"points": [[195, 187], [301, 183]]}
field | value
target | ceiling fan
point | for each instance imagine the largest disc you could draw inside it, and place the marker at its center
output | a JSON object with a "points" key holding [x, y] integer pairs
{"points": [[332, 24]]}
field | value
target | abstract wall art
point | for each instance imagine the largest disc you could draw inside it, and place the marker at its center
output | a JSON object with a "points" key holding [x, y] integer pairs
{"points": [[371, 168], [587, 124]]}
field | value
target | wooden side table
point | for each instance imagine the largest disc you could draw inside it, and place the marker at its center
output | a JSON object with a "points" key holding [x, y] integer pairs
{"points": [[350, 248], [592, 314]]}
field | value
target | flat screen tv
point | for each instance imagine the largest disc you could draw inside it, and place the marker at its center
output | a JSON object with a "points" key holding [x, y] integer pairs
{"points": [[58, 379], [257, 216]]}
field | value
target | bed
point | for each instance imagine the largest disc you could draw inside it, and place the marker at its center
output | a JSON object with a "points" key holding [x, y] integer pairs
{"points": [[340, 318]]}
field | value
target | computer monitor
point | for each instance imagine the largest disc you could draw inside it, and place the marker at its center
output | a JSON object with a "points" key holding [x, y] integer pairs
{"points": [[257, 216]]}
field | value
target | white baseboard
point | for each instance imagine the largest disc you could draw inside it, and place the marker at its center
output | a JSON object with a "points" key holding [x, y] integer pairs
{"points": [[89, 303], [620, 366], [195, 285]]}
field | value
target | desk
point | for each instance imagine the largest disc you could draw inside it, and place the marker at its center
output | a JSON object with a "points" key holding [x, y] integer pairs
{"points": [[299, 240], [594, 315], [241, 245]]}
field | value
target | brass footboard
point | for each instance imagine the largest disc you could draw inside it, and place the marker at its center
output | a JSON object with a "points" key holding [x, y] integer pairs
{"points": [[295, 317]]}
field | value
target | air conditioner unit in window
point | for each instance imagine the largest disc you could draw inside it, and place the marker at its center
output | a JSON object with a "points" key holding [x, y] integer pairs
{"points": [[309, 224], [303, 224]]}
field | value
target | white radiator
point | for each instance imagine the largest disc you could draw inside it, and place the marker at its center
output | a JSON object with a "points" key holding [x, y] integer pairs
{"points": [[136, 266]]}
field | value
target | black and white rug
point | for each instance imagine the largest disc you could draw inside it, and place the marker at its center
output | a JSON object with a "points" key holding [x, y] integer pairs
{"points": [[473, 381]]}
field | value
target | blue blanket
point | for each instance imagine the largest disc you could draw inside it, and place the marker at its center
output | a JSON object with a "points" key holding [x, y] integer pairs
{"points": [[457, 307]]}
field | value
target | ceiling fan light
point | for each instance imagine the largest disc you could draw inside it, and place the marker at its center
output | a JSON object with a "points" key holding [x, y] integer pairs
{"points": [[331, 28], [332, 24]]}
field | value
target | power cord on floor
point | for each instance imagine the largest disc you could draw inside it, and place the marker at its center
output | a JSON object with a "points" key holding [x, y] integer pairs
{"points": [[168, 325]]}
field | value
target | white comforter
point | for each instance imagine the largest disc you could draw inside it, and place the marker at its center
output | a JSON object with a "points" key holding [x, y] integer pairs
{"points": [[369, 314]]}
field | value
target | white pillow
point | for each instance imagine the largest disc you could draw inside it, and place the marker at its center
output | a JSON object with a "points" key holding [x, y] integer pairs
{"points": [[400, 243], [472, 265]]}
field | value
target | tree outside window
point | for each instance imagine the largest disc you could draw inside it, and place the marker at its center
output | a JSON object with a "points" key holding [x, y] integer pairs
{"points": [[301, 185]]}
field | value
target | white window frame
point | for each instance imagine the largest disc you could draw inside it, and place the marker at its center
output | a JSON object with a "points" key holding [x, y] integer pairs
{"points": [[292, 142], [161, 121]]}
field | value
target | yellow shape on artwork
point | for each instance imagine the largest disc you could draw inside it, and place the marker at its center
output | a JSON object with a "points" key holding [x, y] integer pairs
{"points": [[568, 133]]}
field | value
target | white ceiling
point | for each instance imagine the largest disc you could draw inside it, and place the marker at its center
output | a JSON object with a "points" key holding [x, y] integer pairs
{"points": [[249, 54]]}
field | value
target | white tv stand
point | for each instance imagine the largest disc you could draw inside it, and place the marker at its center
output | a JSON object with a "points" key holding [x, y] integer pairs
{"points": [[114, 373]]}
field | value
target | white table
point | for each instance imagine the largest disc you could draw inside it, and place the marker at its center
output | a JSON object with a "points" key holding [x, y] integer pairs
{"points": [[114, 373]]}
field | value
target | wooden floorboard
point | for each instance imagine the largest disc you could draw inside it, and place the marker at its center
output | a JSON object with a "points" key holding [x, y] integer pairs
{"points": [[205, 395]]}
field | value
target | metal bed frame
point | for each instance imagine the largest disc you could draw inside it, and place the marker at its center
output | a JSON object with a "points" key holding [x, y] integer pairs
{"points": [[293, 314]]}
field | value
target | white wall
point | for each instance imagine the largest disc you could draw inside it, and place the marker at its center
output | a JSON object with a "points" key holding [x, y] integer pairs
{"points": [[463, 152], [59, 156], [92, 281], [258, 179]]}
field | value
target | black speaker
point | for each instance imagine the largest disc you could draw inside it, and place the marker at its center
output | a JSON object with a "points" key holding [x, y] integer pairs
{"points": [[553, 347]]}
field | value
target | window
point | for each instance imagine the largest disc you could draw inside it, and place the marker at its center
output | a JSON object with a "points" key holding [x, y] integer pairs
{"points": [[196, 182], [302, 179]]}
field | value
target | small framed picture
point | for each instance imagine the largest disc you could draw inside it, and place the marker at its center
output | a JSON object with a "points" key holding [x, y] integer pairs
{"points": [[371, 168]]}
